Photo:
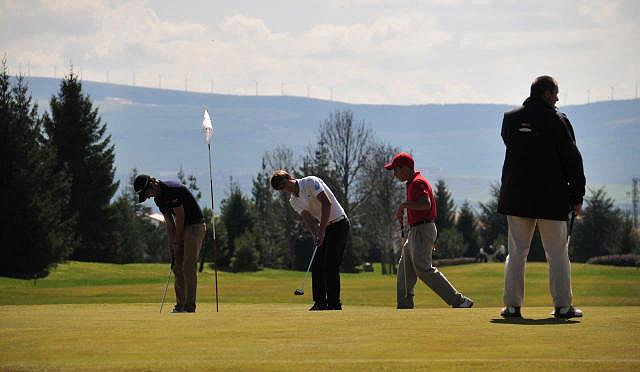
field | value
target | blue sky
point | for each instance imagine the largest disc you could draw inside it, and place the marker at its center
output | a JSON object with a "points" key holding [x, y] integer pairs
{"points": [[358, 51]]}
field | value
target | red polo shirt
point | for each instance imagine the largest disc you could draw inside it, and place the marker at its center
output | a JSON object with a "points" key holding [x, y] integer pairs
{"points": [[417, 187]]}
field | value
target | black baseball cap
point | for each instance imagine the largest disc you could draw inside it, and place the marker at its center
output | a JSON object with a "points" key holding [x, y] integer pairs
{"points": [[140, 184]]}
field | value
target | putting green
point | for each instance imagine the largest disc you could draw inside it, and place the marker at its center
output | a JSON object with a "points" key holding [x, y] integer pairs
{"points": [[102, 317], [286, 337]]}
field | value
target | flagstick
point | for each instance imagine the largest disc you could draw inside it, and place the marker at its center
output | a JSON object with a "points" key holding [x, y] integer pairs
{"points": [[213, 226]]}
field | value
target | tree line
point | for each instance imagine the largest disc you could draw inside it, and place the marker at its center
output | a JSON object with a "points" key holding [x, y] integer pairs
{"points": [[59, 199], [348, 157]]}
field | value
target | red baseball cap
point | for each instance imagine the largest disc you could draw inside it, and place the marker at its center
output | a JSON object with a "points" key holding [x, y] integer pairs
{"points": [[401, 158]]}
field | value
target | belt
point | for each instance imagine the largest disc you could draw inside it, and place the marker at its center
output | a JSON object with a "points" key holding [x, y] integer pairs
{"points": [[343, 217], [420, 223]]}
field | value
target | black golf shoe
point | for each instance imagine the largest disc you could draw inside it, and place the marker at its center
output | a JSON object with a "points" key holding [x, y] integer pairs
{"points": [[318, 307], [511, 312], [337, 306], [567, 312], [465, 302], [178, 309]]}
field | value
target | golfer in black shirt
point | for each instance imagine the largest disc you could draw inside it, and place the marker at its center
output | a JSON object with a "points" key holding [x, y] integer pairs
{"points": [[185, 228]]}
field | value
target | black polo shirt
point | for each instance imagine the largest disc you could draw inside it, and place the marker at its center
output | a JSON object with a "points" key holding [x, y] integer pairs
{"points": [[174, 194]]}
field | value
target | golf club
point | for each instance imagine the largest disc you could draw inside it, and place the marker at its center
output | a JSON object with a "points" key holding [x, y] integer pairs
{"points": [[166, 287], [300, 291], [404, 260]]}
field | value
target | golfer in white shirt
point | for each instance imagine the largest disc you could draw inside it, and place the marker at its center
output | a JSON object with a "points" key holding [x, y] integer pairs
{"points": [[324, 217]]}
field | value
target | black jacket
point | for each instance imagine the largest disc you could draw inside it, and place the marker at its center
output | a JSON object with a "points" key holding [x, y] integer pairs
{"points": [[542, 175]]}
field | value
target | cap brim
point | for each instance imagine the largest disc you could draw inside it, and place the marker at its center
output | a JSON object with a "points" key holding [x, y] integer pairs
{"points": [[389, 166]]}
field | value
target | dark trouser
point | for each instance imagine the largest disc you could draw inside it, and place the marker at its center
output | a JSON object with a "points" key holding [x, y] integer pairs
{"points": [[184, 266], [325, 273]]}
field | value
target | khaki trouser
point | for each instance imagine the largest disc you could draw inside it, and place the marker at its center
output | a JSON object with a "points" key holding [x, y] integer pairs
{"points": [[184, 268], [416, 263], [554, 240]]}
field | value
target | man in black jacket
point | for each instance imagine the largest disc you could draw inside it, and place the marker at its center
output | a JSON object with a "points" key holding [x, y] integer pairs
{"points": [[542, 181]]}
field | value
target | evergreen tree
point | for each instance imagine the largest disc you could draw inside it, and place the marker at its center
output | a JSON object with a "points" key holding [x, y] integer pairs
{"points": [[266, 227], [236, 212], [466, 225], [136, 238], [446, 207], [246, 256], [317, 163], [206, 253], [598, 232], [191, 182], [450, 244], [34, 233], [492, 224], [629, 238], [285, 224], [76, 132]]}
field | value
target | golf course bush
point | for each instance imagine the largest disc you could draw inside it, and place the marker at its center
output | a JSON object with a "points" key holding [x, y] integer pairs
{"points": [[616, 260]]}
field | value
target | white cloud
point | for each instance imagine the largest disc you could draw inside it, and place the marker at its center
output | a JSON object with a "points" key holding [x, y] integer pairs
{"points": [[383, 51]]}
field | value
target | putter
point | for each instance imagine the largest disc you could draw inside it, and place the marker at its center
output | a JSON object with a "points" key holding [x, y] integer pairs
{"points": [[404, 261], [300, 291], [166, 287]]}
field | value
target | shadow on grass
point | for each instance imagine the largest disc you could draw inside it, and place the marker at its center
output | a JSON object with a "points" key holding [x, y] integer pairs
{"points": [[525, 321]]}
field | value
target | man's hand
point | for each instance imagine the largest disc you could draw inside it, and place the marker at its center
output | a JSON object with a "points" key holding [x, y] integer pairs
{"points": [[320, 238], [577, 209]]}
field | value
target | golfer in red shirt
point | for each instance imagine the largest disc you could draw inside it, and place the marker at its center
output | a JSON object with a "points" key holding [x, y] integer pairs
{"points": [[416, 253]]}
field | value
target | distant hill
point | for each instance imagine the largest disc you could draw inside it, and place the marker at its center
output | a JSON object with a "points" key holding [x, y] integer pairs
{"points": [[158, 130]]}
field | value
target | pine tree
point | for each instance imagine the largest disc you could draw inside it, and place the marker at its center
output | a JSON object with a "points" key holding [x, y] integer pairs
{"points": [[450, 244], [285, 224], [136, 238], [466, 225], [33, 232], [446, 207], [598, 232], [266, 227], [246, 256], [236, 212], [493, 226], [76, 132]]}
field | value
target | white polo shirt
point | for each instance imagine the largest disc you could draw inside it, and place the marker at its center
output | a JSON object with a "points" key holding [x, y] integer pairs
{"points": [[307, 199]]}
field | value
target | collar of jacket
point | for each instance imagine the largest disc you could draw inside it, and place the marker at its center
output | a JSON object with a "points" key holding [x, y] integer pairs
{"points": [[531, 101]]}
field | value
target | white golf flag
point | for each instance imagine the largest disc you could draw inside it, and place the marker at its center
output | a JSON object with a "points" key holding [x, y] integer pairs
{"points": [[207, 126]]}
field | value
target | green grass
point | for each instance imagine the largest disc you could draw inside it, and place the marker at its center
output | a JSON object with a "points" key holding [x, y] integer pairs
{"points": [[100, 317], [79, 282]]}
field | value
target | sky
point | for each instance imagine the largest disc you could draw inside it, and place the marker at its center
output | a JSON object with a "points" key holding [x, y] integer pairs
{"points": [[357, 51]]}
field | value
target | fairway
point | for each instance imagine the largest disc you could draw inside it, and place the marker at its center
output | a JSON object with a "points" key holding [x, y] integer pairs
{"points": [[84, 317]]}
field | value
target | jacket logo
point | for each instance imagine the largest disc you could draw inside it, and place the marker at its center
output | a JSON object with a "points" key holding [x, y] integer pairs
{"points": [[525, 127]]}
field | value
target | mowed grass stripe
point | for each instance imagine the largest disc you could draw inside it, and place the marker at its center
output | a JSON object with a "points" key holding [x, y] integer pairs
{"points": [[79, 282], [286, 337]]}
